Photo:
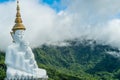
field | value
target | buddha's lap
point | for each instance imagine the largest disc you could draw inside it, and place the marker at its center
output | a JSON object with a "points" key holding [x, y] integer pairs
{"points": [[12, 72]]}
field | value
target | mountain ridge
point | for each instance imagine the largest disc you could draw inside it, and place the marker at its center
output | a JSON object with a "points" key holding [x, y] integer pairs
{"points": [[80, 60]]}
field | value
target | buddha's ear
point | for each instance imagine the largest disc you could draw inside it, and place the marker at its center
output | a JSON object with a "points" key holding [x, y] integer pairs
{"points": [[12, 34]]}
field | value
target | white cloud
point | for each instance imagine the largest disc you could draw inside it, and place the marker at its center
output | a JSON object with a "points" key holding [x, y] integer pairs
{"points": [[93, 19], [96, 19]]}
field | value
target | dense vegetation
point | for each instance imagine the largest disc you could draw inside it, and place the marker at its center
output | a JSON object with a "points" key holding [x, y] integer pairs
{"points": [[78, 61], [2, 66]]}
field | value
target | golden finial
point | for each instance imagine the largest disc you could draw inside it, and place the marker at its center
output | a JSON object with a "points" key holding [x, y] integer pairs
{"points": [[18, 20], [18, 10]]}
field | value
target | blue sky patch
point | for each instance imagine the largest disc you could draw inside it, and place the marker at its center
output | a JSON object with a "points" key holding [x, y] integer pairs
{"points": [[55, 4], [50, 2], [1, 1]]}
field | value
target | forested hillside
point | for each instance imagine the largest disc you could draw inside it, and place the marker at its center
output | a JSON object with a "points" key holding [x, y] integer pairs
{"points": [[81, 60]]}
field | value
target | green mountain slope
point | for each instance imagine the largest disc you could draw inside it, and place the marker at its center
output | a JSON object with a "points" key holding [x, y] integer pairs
{"points": [[84, 60]]}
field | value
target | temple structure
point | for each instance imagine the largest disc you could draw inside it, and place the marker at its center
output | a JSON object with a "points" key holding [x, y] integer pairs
{"points": [[20, 60]]}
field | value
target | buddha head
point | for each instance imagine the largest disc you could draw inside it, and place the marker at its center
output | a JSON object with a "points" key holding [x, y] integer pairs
{"points": [[18, 36]]}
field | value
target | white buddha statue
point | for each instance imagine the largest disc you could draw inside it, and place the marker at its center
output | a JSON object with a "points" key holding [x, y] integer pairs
{"points": [[19, 58]]}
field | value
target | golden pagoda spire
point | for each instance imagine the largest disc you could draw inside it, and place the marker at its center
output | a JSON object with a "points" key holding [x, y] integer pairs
{"points": [[18, 20]]}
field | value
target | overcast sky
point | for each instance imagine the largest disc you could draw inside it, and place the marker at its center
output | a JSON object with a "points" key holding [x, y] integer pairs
{"points": [[49, 21]]}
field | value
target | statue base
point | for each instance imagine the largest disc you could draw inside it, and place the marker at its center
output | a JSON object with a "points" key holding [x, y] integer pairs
{"points": [[28, 78]]}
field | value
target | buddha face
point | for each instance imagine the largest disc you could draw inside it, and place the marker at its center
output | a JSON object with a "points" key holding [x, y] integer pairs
{"points": [[18, 35]]}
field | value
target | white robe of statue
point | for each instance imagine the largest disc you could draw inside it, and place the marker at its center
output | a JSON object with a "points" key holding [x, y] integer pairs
{"points": [[20, 59]]}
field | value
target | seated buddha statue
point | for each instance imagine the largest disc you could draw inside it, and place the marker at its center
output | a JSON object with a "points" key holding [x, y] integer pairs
{"points": [[20, 59]]}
